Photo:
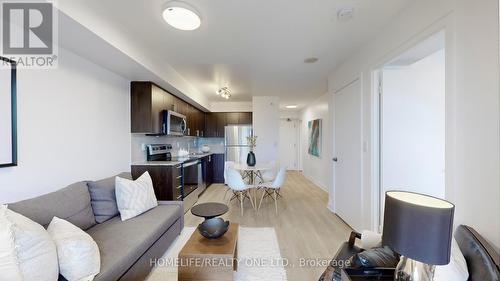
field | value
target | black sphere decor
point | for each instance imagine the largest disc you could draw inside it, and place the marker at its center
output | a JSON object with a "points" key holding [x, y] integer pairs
{"points": [[213, 228], [251, 159]]}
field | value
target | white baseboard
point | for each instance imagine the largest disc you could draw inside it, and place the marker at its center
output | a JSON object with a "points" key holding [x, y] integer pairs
{"points": [[320, 185]]}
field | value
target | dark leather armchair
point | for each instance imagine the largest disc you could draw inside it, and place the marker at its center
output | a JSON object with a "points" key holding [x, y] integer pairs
{"points": [[482, 260]]}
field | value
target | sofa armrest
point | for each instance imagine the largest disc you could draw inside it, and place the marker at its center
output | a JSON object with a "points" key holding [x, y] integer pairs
{"points": [[352, 238], [175, 203]]}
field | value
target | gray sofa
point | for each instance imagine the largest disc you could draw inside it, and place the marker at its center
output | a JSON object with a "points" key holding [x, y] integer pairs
{"points": [[127, 247]]}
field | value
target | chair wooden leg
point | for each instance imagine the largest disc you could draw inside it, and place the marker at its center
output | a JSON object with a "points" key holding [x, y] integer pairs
{"points": [[275, 201], [241, 202], [249, 192], [261, 198]]}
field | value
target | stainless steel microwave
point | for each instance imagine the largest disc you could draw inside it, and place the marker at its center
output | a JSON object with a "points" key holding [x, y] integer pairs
{"points": [[174, 124]]}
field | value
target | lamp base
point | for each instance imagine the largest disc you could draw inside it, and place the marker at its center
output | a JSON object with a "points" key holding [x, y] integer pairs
{"points": [[412, 270]]}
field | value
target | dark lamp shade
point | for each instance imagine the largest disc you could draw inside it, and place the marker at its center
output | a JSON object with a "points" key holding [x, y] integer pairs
{"points": [[418, 226]]}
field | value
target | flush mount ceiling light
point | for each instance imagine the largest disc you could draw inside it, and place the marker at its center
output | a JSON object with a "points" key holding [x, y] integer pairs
{"points": [[181, 16], [292, 106], [224, 92], [311, 60]]}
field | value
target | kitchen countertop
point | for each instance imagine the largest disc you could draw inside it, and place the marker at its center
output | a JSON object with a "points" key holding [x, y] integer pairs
{"points": [[169, 163]]}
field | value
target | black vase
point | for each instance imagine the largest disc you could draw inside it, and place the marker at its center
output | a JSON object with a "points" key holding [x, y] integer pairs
{"points": [[251, 159]]}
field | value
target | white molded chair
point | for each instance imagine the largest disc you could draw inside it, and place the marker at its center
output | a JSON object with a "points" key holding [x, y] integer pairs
{"points": [[227, 165], [237, 185], [269, 175], [272, 188]]}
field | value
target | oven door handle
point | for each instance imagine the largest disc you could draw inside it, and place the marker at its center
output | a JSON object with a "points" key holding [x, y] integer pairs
{"points": [[191, 163]]}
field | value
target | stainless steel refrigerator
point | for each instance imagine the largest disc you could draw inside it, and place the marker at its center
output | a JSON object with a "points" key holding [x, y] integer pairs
{"points": [[236, 143]]}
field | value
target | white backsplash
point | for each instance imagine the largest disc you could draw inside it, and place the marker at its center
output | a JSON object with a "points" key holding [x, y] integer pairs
{"points": [[192, 144]]}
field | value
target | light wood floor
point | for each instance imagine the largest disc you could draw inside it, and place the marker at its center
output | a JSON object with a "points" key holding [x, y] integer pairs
{"points": [[305, 227]]}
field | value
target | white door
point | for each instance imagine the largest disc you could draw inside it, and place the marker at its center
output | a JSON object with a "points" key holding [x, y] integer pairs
{"points": [[289, 144], [348, 155]]}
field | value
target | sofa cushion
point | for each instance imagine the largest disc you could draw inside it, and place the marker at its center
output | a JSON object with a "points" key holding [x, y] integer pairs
{"points": [[122, 243], [71, 203], [103, 198]]}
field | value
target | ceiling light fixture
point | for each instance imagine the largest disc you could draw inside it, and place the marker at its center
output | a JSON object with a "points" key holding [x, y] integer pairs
{"points": [[311, 60], [345, 14], [292, 106], [224, 92], [181, 16]]}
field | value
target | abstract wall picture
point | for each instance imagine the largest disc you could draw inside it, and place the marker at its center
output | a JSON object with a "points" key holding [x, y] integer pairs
{"points": [[314, 132], [8, 129]]}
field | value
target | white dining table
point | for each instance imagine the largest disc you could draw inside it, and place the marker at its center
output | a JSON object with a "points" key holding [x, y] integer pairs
{"points": [[252, 172]]}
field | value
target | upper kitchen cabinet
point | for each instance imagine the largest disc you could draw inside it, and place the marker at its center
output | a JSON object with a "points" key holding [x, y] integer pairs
{"points": [[232, 118], [245, 118], [200, 121], [147, 103], [216, 121], [214, 124], [238, 118]]}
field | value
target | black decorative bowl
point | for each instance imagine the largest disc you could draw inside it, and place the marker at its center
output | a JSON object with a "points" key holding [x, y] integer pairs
{"points": [[213, 228]]}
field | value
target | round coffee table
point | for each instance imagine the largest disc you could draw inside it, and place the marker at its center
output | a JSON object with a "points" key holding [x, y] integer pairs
{"points": [[209, 210]]}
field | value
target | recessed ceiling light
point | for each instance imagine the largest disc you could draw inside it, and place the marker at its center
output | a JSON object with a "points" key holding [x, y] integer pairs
{"points": [[292, 106], [311, 60], [345, 14], [181, 16]]}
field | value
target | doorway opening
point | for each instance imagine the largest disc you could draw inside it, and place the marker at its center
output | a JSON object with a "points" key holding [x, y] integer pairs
{"points": [[411, 91]]}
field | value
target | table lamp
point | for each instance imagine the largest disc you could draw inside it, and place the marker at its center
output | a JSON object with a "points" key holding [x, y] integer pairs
{"points": [[419, 228]]}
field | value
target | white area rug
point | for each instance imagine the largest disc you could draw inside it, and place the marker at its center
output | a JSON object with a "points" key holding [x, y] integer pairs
{"points": [[258, 253]]}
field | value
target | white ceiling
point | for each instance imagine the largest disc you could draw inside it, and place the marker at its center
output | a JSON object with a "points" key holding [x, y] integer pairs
{"points": [[255, 47]]}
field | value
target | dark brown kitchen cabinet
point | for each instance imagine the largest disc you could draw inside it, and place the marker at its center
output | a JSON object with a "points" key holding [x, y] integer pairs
{"points": [[245, 118], [238, 118], [221, 123], [232, 118], [216, 121], [210, 125], [195, 121], [147, 103], [208, 170], [200, 121], [218, 168], [190, 120], [167, 180], [179, 105]]}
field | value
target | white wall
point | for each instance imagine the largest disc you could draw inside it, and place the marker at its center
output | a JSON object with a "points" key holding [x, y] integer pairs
{"points": [[317, 169], [73, 124], [266, 118], [472, 102], [231, 106], [413, 130]]}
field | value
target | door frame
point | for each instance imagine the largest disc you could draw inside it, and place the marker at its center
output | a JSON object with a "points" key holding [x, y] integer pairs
{"points": [[445, 25]]}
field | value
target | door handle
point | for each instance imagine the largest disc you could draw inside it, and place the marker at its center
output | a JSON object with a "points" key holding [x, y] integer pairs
{"points": [[335, 159]]}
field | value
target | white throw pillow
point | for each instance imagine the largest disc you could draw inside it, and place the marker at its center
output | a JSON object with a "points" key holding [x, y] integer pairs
{"points": [[8, 254], [456, 270], [77, 252], [134, 197], [36, 252]]}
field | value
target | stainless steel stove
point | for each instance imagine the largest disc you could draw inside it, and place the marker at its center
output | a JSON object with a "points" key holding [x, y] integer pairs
{"points": [[192, 179]]}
